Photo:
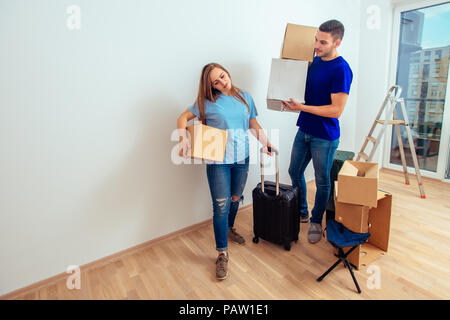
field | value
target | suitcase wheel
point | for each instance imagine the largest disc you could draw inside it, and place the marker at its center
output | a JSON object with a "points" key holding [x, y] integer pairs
{"points": [[287, 247], [255, 239]]}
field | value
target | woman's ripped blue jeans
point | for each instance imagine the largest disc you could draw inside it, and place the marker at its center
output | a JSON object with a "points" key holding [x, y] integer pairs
{"points": [[226, 183]]}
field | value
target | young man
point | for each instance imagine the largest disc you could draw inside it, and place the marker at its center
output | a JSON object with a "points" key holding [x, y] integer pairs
{"points": [[327, 88]]}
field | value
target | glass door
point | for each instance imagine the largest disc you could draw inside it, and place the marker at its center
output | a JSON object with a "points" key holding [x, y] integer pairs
{"points": [[422, 64]]}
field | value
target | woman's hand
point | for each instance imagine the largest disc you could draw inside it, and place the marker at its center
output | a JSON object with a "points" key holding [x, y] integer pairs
{"points": [[184, 147], [293, 105], [271, 148]]}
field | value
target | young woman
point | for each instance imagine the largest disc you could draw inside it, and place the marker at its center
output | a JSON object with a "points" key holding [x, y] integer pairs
{"points": [[221, 105]]}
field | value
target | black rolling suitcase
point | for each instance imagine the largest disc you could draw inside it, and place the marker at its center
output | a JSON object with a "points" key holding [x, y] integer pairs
{"points": [[276, 215]]}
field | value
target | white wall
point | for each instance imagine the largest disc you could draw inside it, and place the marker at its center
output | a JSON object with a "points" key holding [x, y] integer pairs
{"points": [[374, 63], [86, 117]]}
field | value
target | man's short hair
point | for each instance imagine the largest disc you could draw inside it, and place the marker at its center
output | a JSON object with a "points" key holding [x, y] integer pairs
{"points": [[336, 28]]}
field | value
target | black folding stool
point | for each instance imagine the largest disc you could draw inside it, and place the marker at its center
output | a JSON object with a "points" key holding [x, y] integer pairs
{"points": [[340, 237]]}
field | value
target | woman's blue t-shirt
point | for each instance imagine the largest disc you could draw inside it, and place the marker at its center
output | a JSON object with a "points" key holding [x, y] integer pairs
{"points": [[228, 113], [323, 79]]}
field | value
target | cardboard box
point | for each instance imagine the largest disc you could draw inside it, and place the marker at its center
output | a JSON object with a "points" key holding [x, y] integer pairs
{"points": [[207, 143], [364, 255], [353, 216], [358, 183], [379, 228], [287, 80], [299, 42]]}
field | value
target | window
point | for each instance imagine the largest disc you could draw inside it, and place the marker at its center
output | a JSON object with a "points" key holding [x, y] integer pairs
{"points": [[426, 71], [437, 68], [415, 57], [422, 68], [424, 91], [437, 55]]}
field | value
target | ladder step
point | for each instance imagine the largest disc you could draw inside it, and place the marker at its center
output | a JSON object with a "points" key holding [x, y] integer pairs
{"points": [[372, 139], [402, 122], [363, 155]]}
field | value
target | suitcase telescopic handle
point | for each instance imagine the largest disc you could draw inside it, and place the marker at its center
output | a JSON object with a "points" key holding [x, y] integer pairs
{"points": [[276, 166]]}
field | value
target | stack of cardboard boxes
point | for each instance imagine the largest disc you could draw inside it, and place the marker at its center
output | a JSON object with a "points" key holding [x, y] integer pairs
{"points": [[362, 208], [288, 74]]}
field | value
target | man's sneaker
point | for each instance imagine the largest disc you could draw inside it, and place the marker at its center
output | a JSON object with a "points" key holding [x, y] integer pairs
{"points": [[304, 218], [222, 266], [235, 237], [314, 233]]}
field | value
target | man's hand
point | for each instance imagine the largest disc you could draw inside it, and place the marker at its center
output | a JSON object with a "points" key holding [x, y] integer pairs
{"points": [[293, 105]]}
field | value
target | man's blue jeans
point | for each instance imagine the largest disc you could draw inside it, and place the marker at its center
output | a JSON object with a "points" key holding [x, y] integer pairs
{"points": [[321, 151], [226, 181]]}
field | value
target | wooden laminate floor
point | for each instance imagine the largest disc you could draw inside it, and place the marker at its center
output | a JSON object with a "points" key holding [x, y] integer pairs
{"points": [[417, 265]]}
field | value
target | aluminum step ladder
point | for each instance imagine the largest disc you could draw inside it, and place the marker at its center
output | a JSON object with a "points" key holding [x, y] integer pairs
{"points": [[390, 102]]}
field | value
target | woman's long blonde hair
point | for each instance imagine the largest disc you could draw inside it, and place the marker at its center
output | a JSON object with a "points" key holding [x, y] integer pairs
{"points": [[207, 92]]}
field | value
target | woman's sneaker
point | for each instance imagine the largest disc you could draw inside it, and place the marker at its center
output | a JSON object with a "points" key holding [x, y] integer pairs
{"points": [[235, 237], [222, 266]]}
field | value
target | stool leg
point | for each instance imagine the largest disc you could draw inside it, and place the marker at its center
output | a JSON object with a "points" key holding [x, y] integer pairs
{"points": [[329, 270], [353, 275]]}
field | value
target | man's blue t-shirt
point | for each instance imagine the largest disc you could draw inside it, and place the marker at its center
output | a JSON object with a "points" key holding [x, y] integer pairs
{"points": [[323, 79], [228, 113]]}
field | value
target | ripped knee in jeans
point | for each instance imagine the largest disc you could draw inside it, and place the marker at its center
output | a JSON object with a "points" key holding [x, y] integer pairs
{"points": [[221, 206], [237, 199], [221, 202]]}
